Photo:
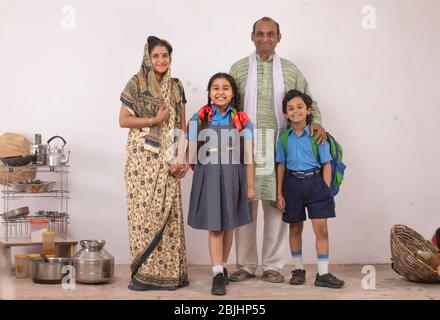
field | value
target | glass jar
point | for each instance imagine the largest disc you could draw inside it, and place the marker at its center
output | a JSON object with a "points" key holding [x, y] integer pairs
{"points": [[21, 265], [48, 243]]}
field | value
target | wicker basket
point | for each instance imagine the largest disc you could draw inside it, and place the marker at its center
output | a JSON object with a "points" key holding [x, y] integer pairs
{"points": [[14, 144], [404, 242]]}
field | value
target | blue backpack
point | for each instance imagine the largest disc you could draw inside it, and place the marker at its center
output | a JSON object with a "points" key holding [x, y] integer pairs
{"points": [[338, 167]]}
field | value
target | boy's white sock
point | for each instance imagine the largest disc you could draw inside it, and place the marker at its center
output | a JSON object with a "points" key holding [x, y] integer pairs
{"points": [[322, 264], [217, 269], [297, 259]]}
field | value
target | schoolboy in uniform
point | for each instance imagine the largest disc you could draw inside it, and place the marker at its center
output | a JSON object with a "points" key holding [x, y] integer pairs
{"points": [[305, 184]]}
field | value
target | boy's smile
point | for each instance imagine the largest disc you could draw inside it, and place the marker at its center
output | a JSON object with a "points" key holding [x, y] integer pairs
{"points": [[297, 111]]}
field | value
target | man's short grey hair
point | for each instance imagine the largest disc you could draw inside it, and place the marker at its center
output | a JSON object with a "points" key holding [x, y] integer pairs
{"points": [[266, 19]]}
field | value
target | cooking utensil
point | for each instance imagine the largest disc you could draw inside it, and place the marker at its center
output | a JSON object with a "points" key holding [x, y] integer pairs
{"points": [[17, 161], [40, 152], [30, 181], [51, 214], [49, 272], [44, 257], [92, 263], [37, 186], [15, 214], [37, 138], [56, 156]]}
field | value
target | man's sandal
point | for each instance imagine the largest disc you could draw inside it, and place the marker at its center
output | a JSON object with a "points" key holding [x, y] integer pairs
{"points": [[272, 276], [240, 275]]}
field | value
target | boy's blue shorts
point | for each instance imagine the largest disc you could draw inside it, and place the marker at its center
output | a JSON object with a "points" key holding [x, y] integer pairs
{"points": [[309, 192]]}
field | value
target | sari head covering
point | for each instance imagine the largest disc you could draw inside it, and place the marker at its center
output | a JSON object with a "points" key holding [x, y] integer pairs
{"points": [[144, 95]]}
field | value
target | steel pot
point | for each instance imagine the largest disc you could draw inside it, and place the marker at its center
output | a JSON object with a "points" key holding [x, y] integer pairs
{"points": [[92, 263], [49, 272], [40, 152]]}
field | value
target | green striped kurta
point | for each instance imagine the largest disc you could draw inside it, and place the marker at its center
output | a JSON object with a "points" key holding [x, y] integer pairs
{"points": [[265, 176]]}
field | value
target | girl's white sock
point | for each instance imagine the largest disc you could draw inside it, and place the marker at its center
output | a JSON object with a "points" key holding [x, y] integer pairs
{"points": [[217, 269]]}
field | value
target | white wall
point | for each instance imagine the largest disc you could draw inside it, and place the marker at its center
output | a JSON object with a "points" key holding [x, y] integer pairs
{"points": [[376, 90]]}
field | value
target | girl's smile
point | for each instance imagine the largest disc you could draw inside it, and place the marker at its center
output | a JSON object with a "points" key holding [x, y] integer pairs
{"points": [[221, 93]]}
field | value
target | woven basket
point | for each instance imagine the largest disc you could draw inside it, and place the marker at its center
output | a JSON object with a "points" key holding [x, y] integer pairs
{"points": [[13, 144], [404, 242]]}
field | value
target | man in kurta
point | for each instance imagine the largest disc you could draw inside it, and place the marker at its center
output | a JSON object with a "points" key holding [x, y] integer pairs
{"points": [[263, 79]]}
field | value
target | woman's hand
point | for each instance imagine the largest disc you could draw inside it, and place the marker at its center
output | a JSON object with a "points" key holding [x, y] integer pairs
{"points": [[281, 203], [172, 171], [178, 171], [162, 115], [250, 194], [184, 170]]}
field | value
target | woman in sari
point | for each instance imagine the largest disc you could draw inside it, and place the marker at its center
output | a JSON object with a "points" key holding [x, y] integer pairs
{"points": [[153, 104]]}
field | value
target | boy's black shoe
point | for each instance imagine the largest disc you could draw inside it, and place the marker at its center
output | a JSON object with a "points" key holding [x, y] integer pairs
{"points": [[218, 285], [328, 280], [298, 277], [225, 273]]}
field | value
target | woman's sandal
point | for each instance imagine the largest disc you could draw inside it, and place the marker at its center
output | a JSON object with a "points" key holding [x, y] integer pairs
{"points": [[240, 275], [272, 276]]}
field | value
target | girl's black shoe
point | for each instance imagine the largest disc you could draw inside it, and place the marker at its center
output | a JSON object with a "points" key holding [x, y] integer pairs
{"points": [[218, 285]]}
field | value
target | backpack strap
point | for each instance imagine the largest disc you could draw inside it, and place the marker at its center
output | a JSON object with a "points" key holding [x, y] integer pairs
{"points": [[315, 146], [338, 154], [334, 150], [284, 136]]}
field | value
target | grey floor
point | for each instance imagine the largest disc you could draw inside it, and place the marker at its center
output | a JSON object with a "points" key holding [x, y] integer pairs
{"points": [[389, 285]]}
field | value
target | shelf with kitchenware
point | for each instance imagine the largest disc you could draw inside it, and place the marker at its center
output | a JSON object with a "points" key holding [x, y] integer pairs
{"points": [[20, 182], [36, 188], [55, 194], [39, 167]]}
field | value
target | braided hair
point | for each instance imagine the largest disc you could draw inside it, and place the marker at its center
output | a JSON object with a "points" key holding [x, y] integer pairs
{"points": [[235, 103]]}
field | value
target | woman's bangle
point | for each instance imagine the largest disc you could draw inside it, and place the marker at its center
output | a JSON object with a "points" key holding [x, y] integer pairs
{"points": [[150, 122], [280, 196]]}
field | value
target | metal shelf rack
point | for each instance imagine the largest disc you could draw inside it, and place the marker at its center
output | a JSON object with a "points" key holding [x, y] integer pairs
{"points": [[20, 227]]}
